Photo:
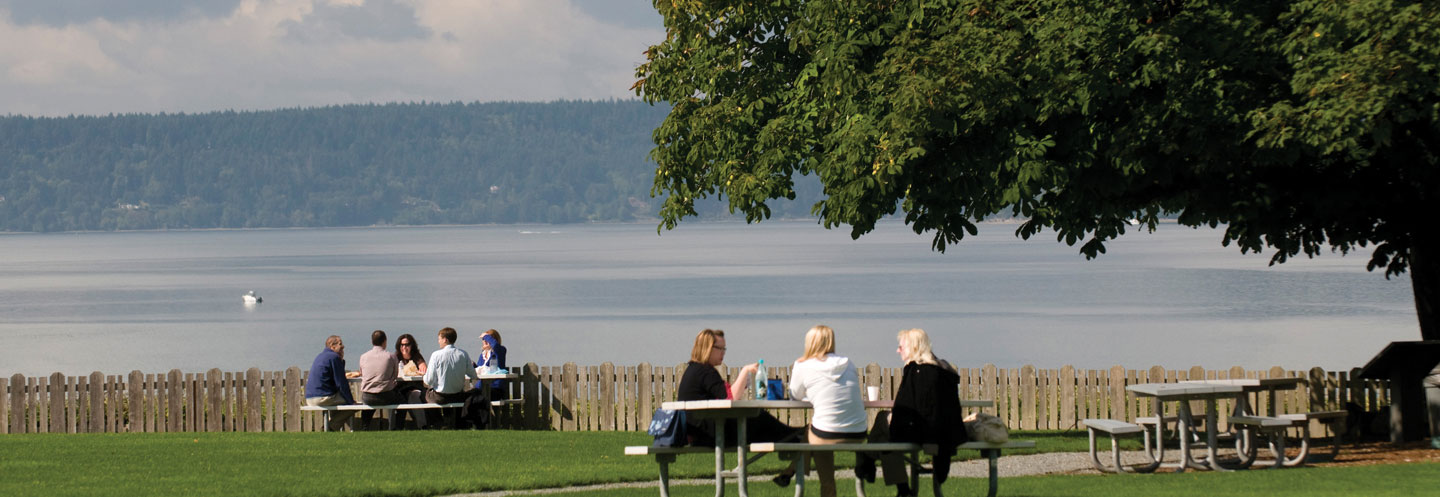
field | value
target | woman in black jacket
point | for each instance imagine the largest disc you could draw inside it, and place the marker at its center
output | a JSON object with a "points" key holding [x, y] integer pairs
{"points": [[927, 411]]}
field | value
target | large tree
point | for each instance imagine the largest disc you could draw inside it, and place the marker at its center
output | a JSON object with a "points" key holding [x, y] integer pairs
{"points": [[1299, 126]]}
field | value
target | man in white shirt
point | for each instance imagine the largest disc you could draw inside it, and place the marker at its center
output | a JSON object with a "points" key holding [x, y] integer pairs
{"points": [[449, 372]]}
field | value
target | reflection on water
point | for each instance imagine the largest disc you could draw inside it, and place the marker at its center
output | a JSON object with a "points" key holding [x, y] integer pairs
{"points": [[590, 294]]}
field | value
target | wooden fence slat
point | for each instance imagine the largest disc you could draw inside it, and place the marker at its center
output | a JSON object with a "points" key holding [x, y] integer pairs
{"points": [[1026, 388], [569, 376], [252, 401], [5, 397], [212, 418], [96, 406], [294, 389], [57, 403], [18, 410], [606, 394], [113, 423], [172, 397], [1068, 421]]}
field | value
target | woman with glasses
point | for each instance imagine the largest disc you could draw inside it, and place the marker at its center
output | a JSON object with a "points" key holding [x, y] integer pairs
{"points": [[702, 381], [412, 363]]}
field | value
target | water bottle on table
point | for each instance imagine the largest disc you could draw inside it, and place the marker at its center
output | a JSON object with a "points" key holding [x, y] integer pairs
{"points": [[760, 383]]}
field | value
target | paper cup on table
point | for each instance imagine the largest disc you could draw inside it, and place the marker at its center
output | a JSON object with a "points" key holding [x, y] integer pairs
{"points": [[874, 392]]}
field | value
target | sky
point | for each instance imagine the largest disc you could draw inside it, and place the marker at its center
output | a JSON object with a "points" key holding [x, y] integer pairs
{"points": [[98, 57]]}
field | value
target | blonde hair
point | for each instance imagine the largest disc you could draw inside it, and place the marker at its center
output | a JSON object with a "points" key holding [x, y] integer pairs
{"points": [[917, 346], [820, 340], [703, 343]]}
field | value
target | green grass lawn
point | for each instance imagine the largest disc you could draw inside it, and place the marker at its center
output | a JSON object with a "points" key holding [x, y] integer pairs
{"points": [[425, 463], [1403, 480]]}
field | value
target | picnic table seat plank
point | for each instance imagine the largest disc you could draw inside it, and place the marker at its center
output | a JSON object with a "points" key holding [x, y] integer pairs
{"points": [[326, 410], [789, 450]]}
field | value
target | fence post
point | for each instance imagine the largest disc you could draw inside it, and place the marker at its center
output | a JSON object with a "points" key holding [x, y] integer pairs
{"points": [[18, 410], [569, 376], [1119, 407], [5, 405], [645, 389], [57, 403], [1027, 397], [291, 402], [606, 392], [212, 418], [97, 402], [174, 414], [253, 419]]}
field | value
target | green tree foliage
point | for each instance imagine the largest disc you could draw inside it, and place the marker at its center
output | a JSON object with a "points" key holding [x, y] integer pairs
{"points": [[1298, 125]]}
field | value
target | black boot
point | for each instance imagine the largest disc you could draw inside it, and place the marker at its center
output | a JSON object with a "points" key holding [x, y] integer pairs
{"points": [[865, 468], [783, 479]]}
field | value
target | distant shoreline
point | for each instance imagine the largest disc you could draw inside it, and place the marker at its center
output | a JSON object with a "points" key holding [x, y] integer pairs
{"points": [[1002, 221]]}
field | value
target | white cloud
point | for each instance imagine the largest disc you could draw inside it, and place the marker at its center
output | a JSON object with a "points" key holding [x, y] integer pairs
{"points": [[266, 54]]}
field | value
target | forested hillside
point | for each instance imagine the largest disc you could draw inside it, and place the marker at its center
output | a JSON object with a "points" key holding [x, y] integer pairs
{"points": [[355, 165]]}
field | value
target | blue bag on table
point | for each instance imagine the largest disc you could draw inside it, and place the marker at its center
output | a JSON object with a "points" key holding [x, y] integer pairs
{"points": [[668, 428], [775, 389]]}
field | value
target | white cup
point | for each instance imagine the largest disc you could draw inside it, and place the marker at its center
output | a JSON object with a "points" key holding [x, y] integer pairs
{"points": [[874, 392]]}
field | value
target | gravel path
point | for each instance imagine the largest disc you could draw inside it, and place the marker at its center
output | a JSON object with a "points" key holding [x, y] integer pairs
{"points": [[1016, 465]]}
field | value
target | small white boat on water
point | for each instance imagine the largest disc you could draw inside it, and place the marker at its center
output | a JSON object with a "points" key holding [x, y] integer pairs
{"points": [[251, 298]]}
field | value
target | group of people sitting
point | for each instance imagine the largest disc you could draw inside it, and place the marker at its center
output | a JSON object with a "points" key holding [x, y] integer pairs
{"points": [[926, 406], [445, 378]]}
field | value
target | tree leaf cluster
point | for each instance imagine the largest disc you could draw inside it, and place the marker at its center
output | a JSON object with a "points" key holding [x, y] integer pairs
{"points": [[1299, 125]]}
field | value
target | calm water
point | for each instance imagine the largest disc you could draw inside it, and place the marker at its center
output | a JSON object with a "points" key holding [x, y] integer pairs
{"points": [[153, 301]]}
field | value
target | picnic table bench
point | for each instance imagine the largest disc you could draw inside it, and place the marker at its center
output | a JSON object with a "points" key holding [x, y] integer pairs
{"points": [[327, 410], [912, 451]]}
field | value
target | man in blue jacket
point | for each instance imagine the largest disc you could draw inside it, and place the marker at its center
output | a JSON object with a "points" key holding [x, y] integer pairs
{"points": [[329, 384]]}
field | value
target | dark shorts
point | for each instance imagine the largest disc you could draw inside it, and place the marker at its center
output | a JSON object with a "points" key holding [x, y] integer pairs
{"points": [[830, 435]]}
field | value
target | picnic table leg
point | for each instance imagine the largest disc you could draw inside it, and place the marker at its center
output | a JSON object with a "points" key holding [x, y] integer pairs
{"points": [[1185, 426], [1158, 454], [994, 456], [1212, 434], [740, 447], [1337, 436], [859, 482], [1277, 446], [325, 420], [720, 458], [800, 470], [915, 472], [1298, 460], [665, 460]]}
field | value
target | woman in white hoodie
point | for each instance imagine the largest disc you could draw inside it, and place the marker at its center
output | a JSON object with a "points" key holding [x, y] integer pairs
{"points": [[832, 386]]}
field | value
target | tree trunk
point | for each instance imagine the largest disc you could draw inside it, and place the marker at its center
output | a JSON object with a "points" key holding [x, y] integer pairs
{"points": [[1425, 280]]}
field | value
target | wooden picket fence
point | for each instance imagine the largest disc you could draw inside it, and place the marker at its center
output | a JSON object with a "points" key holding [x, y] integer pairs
{"points": [[600, 398]]}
